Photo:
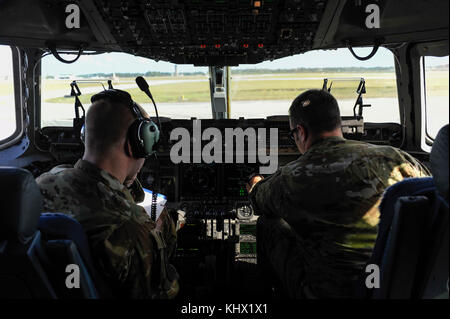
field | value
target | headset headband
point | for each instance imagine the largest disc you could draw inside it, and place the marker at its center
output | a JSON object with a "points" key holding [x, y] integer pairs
{"points": [[143, 134], [121, 96]]}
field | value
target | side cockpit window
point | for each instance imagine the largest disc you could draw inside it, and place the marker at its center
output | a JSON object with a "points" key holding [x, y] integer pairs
{"points": [[435, 70], [8, 125]]}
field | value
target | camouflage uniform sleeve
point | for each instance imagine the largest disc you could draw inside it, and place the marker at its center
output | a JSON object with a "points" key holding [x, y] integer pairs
{"points": [[50, 190], [266, 196], [417, 168], [168, 231], [406, 166], [126, 258]]}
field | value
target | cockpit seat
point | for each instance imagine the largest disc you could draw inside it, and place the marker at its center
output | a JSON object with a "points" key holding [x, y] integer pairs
{"points": [[411, 249], [58, 228], [36, 250], [22, 274], [66, 244]]}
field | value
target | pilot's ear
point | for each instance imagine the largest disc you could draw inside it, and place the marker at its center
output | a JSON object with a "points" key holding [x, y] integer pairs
{"points": [[127, 147], [303, 135]]}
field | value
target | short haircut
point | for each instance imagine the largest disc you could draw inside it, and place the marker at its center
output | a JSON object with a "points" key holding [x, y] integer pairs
{"points": [[317, 110], [107, 123]]}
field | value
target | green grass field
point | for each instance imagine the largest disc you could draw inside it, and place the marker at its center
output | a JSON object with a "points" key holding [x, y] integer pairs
{"points": [[246, 88], [268, 87]]}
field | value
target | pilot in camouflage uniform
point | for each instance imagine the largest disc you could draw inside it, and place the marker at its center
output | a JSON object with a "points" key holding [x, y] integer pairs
{"points": [[120, 233], [129, 249], [320, 212]]}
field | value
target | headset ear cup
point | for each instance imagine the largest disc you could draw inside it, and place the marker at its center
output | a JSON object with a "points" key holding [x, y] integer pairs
{"points": [[150, 136], [143, 136], [137, 147]]}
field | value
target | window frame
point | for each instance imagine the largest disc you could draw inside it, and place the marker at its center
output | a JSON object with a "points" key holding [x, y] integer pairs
{"points": [[417, 53], [18, 100], [428, 138], [425, 141]]}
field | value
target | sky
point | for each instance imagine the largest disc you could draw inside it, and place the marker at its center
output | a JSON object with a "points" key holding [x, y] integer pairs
{"points": [[121, 62]]}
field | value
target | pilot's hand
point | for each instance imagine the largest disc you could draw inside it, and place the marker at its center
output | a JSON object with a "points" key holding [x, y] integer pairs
{"points": [[253, 181]]}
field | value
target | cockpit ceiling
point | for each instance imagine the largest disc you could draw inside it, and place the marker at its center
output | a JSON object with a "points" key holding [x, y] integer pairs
{"points": [[219, 32], [211, 32]]}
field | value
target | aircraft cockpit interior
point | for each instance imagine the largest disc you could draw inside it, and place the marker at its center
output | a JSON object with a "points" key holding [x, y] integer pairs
{"points": [[217, 79]]}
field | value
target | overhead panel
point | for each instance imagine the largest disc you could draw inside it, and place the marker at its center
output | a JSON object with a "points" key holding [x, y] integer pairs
{"points": [[213, 32]]}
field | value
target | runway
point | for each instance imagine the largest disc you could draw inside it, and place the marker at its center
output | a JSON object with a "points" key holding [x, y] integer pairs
{"points": [[382, 110]]}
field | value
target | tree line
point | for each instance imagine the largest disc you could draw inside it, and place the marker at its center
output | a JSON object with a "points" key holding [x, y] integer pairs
{"points": [[252, 71]]}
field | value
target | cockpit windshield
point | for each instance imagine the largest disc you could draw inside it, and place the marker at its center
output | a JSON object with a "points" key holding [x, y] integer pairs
{"points": [[255, 91]]}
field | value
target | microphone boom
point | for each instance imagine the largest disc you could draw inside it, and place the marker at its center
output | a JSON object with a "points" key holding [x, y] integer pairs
{"points": [[144, 87]]}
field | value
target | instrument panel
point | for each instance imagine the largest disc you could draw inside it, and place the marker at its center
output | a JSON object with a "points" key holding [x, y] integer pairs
{"points": [[214, 181], [211, 189], [208, 190]]}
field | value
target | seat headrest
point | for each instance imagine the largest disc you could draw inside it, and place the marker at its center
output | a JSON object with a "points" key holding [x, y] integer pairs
{"points": [[20, 205], [439, 161], [61, 226]]}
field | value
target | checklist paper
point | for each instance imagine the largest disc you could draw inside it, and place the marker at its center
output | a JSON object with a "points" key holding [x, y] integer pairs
{"points": [[147, 203]]}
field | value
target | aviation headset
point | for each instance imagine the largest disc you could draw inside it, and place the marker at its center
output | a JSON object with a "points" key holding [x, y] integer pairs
{"points": [[143, 133]]}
